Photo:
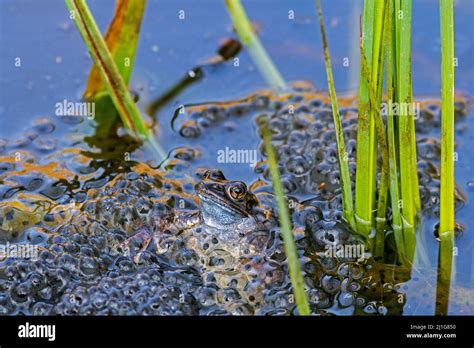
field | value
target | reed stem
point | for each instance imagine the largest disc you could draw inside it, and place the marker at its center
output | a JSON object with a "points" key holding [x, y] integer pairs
{"points": [[366, 143], [380, 219], [391, 142], [348, 208], [116, 86], [447, 224], [406, 128], [121, 38], [382, 140], [256, 50], [285, 225]]}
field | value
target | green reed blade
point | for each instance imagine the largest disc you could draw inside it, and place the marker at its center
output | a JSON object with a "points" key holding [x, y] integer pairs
{"points": [[396, 46], [285, 225], [447, 112], [121, 38], [414, 160], [366, 143], [391, 142], [256, 50], [348, 209], [406, 129], [378, 21], [382, 141], [447, 224], [128, 110]]}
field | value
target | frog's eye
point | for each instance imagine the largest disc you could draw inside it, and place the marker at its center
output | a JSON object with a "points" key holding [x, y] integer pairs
{"points": [[237, 190]]}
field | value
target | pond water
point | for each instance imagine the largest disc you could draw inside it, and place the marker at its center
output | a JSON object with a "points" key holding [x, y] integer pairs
{"points": [[54, 66]]}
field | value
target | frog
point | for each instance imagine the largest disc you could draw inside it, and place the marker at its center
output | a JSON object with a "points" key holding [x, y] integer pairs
{"points": [[229, 217], [228, 236]]}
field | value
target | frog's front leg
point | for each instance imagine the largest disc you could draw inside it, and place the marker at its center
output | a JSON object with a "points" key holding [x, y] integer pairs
{"points": [[177, 222], [172, 225], [165, 230]]}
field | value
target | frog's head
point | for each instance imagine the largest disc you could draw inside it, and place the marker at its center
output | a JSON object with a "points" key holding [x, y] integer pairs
{"points": [[224, 202]]}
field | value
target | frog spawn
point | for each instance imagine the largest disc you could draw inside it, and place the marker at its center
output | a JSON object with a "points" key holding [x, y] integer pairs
{"points": [[83, 272]]}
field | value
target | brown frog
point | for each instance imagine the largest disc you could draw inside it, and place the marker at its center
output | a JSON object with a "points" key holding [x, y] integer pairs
{"points": [[226, 234]]}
